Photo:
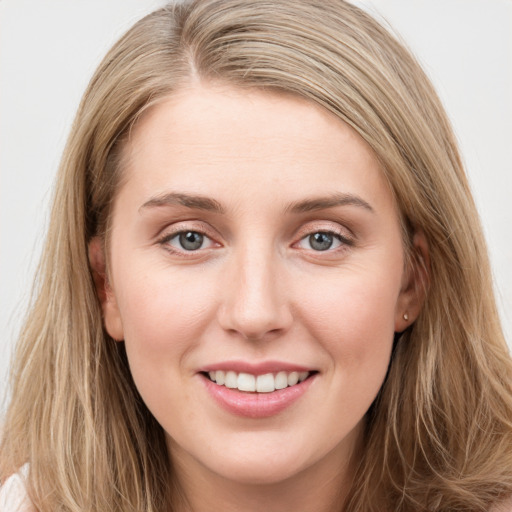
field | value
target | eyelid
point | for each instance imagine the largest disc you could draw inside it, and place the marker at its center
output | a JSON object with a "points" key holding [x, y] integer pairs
{"points": [[343, 232], [188, 225]]}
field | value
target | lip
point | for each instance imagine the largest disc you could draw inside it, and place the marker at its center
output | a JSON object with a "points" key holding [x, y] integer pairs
{"points": [[256, 405], [255, 368]]}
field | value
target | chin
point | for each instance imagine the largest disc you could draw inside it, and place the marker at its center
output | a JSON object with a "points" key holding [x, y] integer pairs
{"points": [[265, 471]]}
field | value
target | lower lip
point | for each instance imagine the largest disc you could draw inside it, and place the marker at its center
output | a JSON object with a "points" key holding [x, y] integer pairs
{"points": [[256, 405]]}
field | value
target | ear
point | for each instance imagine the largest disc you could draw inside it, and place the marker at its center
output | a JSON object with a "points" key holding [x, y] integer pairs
{"points": [[414, 284], [106, 296]]}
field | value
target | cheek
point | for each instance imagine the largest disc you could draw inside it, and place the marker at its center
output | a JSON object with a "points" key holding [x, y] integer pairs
{"points": [[164, 317], [353, 318], [163, 314], [355, 327]]}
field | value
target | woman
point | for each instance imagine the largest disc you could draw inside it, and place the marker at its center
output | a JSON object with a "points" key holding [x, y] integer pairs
{"points": [[264, 286]]}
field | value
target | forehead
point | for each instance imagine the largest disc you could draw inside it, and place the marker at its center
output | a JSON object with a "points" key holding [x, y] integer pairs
{"points": [[210, 139]]}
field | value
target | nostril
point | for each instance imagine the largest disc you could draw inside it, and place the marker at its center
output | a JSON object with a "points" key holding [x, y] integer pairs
{"points": [[253, 323]]}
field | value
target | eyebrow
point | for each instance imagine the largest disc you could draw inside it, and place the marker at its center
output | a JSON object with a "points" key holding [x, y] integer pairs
{"points": [[211, 205], [189, 201], [331, 201]]}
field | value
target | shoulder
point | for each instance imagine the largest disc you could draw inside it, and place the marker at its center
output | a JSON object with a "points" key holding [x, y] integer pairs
{"points": [[13, 494]]}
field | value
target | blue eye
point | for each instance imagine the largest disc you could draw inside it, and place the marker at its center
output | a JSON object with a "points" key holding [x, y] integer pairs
{"points": [[191, 240], [188, 241], [321, 241]]}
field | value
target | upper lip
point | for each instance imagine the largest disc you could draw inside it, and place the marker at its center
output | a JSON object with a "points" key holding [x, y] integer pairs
{"points": [[260, 368]]}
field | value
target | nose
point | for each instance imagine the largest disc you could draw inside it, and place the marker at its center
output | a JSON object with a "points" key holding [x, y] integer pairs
{"points": [[255, 304]]}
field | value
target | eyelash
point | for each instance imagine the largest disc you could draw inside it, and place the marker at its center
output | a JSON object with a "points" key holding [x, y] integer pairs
{"points": [[165, 240], [344, 241]]}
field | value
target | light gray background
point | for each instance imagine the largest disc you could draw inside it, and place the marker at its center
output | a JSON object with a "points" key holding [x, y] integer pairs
{"points": [[50, 48]]}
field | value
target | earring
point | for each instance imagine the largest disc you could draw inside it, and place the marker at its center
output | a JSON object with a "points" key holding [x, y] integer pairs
{"points": [[406, 317]]}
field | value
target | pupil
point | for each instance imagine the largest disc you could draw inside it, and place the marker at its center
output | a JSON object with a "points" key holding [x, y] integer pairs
{"points": [[320, 241], [191, 240]]}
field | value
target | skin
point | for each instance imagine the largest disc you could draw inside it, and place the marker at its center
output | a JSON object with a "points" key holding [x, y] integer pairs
{"points": [[256, 290]]}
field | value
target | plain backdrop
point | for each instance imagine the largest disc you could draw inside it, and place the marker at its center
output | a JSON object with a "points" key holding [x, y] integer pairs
{"points": [[50, 48]]}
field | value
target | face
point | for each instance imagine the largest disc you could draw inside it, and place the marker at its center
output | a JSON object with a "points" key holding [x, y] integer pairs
{"points": [[257, 278]]}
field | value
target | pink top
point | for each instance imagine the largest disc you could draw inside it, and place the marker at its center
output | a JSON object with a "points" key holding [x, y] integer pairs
{"points": [[13, 496]]}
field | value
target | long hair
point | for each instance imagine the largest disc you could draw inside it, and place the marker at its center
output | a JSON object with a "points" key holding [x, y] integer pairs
{"points": [[439, 435]]}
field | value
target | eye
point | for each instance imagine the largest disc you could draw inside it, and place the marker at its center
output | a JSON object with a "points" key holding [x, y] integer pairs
{"points": [[322, 241], [188, 241]]}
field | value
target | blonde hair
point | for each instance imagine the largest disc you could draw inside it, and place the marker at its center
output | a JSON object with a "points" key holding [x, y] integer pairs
{"points": [[438, 436]]}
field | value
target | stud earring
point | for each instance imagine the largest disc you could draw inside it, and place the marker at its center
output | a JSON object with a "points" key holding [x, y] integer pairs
{"points": [[406, 316]]}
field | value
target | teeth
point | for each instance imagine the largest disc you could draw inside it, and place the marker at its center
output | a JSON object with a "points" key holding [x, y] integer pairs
{"points": [[265, 383], [293, 378], [281, 380], [246, 382], [220, 378], [261, 383], [231, 380]]}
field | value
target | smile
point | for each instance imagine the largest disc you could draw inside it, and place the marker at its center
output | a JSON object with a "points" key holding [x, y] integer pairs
{"points": [[257, 391], [250, 383]]}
